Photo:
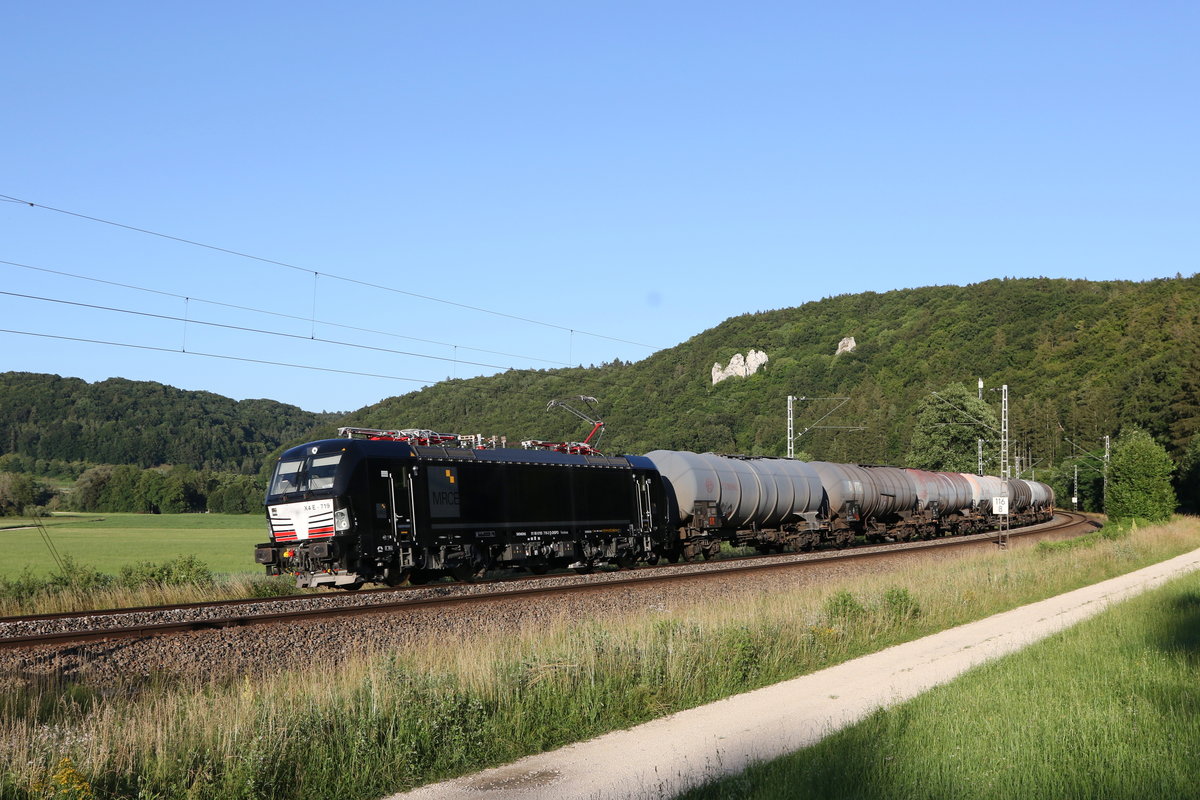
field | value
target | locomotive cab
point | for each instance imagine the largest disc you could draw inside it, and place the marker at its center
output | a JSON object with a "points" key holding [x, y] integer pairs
{"points": [[318, 532]]}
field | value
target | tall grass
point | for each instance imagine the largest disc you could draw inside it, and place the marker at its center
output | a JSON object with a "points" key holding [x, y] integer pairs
{"points": [[376, 724], [1108, 709], [77, 587]]}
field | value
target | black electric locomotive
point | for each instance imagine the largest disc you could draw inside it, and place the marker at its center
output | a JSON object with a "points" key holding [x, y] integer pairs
{"points": [[343, 512]]}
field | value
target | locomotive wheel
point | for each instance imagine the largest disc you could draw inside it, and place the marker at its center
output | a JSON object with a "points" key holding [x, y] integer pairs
{"points": [[398, 578], [463, 572], [351, 587]]}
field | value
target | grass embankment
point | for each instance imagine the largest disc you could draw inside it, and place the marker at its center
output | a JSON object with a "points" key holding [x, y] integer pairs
{"points": [[124, 560], [1107, 709], [455, 706]]}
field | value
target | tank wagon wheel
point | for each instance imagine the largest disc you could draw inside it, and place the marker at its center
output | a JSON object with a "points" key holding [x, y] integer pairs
{"points": [[419, 577]]}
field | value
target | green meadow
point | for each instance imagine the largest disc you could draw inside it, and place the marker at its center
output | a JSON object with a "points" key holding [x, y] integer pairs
{"points": [[108, 542]]}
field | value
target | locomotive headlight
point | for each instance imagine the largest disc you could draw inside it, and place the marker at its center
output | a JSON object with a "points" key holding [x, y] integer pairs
{"points": [[341, 519]]}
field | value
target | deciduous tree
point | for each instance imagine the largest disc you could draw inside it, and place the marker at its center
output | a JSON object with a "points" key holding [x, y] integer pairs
{"points": [[948, 427], [1139, 483]]}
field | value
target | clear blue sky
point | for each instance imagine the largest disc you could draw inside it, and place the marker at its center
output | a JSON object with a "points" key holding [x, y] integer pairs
{"points": [[638, 170]]}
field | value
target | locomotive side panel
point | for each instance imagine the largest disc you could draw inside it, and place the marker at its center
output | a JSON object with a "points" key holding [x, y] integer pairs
{"points": [[468, 501]]}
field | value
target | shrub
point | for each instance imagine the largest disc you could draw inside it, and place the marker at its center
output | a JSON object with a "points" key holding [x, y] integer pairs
{"points": [[23, 588], [77, 577], [844, 607], [900, 604], [264, 586], [1139, 485], [182, 571]]}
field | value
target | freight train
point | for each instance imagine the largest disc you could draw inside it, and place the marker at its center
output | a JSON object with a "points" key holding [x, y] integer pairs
{"points": [[391, 509]]}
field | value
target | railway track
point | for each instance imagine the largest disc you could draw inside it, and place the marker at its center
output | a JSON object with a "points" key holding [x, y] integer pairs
{"points": [[138, 623]]}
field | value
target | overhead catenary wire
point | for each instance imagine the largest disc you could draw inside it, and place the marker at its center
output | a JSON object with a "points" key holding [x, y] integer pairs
{"points": [[190, 320], [245, 329], [49, 542], [307, 270], [965, 413], [479, 389], [215, 355], [504, 370], [252, 309], [577, 377]]}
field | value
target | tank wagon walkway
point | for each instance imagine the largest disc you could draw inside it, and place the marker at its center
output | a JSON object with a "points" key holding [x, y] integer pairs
{"points": [[663, 757]]}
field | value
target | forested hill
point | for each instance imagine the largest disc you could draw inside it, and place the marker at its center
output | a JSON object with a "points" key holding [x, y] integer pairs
{"points": [[1081, 359], [118, 421]]}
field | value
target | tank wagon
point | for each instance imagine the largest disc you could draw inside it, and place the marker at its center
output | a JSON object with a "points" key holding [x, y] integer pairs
{"points": [[874, 502], [345, 512]]}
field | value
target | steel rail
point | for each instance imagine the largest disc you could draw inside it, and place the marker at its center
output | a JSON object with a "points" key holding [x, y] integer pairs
{"points": [[662, 574]]}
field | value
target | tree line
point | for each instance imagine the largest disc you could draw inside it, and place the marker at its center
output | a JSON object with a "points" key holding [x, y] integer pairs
{"points": [[124, 487], [146, 424]]}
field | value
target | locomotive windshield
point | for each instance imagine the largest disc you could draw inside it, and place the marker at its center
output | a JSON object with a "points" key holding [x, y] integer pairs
{"points": [[305, 474]]}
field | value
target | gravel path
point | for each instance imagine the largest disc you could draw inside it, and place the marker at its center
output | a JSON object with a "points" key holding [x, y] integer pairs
{"points": [[666, 756]]}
